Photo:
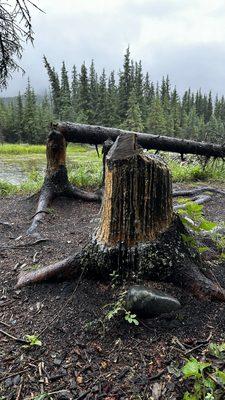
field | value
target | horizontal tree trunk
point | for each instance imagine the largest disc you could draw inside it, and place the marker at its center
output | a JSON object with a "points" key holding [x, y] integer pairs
{"points": [[78, 133]]}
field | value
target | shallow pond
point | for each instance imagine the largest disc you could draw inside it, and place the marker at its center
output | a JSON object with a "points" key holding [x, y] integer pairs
{"points": [[17, 168]]}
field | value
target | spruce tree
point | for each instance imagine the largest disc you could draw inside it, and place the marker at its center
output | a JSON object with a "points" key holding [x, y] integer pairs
{"points": [[65, 96], [74, 93], [102, 116], [83, 96], [93, 90], [30, 117], [55, 88], [133, 121], [124, 86], [112, 102], [156, 122]]}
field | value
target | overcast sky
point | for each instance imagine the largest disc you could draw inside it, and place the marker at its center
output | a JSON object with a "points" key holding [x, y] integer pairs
{"points": [[182, 38]]}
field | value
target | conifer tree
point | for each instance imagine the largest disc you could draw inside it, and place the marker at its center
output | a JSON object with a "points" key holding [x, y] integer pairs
{"points": [[19, 117], [30, 121], [112, 102], [133, 121], [156, 122], [102, 101], [125, 85], [74, 93], [55, 88], [65, 96], [83, 96], [93, 90]]}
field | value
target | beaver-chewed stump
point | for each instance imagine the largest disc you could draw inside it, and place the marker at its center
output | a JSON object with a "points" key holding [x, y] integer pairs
{"points": [[138, 236], [56, 182]]}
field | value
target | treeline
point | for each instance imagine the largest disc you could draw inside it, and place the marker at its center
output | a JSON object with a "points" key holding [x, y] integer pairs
{"points": [[128, 99]]}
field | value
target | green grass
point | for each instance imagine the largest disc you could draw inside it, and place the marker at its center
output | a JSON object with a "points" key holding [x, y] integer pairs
{"points": [[85, 168], [194, 172], [8, 149]]}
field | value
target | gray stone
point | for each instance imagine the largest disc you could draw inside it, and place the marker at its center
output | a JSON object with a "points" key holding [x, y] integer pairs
{"points": [[8, 382], [16, 380], [149, 302], [57, 361]]}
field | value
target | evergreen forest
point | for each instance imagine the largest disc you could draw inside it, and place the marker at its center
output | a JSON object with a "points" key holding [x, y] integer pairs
{"points": [[127, 99]]}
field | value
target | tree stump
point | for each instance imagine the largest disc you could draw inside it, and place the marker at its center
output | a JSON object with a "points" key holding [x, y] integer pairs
{"points": [[56, 182], [139, 236]]}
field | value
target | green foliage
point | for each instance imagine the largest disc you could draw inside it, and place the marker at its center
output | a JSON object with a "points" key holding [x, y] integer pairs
{"points": [[119, 307], [204, 377], [114, 279], [42, 396], [131, 318], [192, 216], [217, 350], [32, 340]]}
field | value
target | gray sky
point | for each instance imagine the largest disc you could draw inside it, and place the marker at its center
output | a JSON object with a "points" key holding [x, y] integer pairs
{"points": [[182, 38]]}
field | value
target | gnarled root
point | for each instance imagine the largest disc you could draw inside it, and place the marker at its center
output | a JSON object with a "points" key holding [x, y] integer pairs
{"points": [[167, 259], [194, 192], [192, 279], [62, 270]]}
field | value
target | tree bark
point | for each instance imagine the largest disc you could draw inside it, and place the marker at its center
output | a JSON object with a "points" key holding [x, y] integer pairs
{"points": [[56, 182], [91, 134], [139, 236]]}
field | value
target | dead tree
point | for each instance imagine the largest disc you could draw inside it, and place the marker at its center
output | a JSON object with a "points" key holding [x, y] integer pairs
{"points": [[78, 133], [56, 182], [139, 236]]}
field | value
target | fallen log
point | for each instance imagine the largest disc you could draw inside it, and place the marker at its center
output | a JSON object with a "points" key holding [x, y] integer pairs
{"points": [[138, 235], [79, 133]]}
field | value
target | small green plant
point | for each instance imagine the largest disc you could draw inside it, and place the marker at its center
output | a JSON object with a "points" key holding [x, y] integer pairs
{"points": [[42, 396], [206, 380], [32, 340], [203, 385], [114, 279], [119, 306], [217, 350], [192, 216]]}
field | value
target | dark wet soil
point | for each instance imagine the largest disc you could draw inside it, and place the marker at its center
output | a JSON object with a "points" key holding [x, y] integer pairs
{"points": [[79, 358]]}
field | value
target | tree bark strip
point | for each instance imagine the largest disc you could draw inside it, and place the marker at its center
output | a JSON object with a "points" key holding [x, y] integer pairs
{"points": [[78, 133]]}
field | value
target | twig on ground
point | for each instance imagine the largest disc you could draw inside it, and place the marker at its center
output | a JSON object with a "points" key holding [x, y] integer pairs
{"points": [[41, 380], [19, 390], [14, 374], [5, 224], [25, 244], [156, 376], [5, 324], [12, 337]]}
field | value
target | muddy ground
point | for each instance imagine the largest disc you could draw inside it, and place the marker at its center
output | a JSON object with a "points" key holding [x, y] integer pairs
{"points": [[79, 358]]}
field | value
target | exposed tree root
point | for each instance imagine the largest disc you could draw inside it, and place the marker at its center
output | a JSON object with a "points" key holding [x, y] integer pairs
{"points": [[167, 259], [197, 199], [194, 192]]}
